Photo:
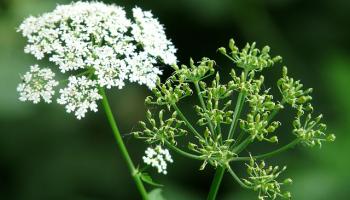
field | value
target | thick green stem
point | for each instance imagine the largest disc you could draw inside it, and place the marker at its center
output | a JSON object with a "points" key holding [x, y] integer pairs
{"points": [[215, 185], [122, 147]]}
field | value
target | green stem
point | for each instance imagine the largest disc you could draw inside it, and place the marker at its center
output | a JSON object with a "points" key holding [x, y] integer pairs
{"points": [[233, 174], [203, 106], [215, 185], [229, 57], [184, 153], [274, 112], [267, 155], [188, 124], [238, 149], [219, 173], [122, 147], [236, 114]]}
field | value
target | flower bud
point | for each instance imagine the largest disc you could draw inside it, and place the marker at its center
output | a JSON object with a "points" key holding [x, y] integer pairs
{"points": [[222, 50], [231, 44], [331, 138], [288, 181], [192, 146], [274, 139]]}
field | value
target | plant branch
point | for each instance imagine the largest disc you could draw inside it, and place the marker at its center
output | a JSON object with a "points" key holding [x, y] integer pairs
{"points": [[199, 94], [122, 147], [184, 153], [188, 124], [219, 173], [238, 149], [215, 185], [236, 114], [234, 175], [274, 112], [267, 155]]}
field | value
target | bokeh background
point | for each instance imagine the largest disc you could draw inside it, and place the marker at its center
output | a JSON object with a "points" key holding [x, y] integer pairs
{"points": [[46, 153]]}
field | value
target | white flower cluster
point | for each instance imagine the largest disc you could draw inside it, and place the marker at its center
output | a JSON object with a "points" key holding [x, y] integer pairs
{"points": [[158, 157], [80, 95], [99, 39], [36, 84]]}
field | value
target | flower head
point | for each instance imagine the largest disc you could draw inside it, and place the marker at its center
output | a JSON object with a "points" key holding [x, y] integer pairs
{"points": [[37, 84], [99, 39], [158, 157], [264, 180]]}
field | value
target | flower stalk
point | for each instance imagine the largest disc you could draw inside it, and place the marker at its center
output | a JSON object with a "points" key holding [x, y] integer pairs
{"points": [[119, 140]]}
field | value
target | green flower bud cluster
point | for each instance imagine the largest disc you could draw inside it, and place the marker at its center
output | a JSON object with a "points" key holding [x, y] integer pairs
{"points": [[292, 91], [239, 83], [213, 112], [215, 141], [195, 73], [263, 179], [246, 82], [212, 150], [261, 103], [168, 93], [165, 130], [309, 130], [258, 123], [259, 128], [250, 58]]}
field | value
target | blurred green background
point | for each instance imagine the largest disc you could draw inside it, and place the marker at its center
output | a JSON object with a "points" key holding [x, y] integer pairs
{"points": [[46, 153]]}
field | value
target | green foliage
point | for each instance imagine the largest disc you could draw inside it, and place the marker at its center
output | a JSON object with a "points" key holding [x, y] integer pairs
{"points": [[216, 141]]}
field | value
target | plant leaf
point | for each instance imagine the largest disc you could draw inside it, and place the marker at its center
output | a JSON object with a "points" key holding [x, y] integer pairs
{"points": [[148, 179]]}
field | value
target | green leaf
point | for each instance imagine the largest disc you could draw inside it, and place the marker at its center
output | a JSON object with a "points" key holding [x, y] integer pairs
{"points": [[156, 194], [148, 179]]}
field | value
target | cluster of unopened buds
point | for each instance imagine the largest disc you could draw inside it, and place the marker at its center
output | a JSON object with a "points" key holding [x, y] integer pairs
{"points": [[225, 133]]}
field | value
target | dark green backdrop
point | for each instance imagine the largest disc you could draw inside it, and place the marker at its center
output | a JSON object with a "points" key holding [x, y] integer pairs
{"points": [[46, 153]]}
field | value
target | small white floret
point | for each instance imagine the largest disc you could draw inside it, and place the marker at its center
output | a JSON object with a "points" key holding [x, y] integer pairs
{"points": [[79, 96], [158, 157], [37, 84]]}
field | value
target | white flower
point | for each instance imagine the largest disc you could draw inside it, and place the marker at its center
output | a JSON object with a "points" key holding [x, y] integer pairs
{"points": [[150, 33], [79, 96], [110, 70], [36, 84], [93, 34], [142, 70], [158, 157], [98, 39]]}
